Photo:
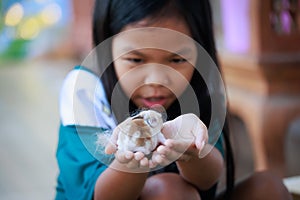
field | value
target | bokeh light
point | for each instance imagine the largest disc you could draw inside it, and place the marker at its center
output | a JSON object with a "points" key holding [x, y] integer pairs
{"points": [[14, 15], [29, 29], [51, 14]]}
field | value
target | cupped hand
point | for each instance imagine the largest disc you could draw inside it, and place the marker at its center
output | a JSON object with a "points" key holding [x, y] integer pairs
{"points": [[132, 160], [173, 150], [129, 159], [186, 136]]}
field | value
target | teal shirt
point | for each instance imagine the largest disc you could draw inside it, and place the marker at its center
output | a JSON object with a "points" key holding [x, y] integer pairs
{"points": [[79, 170]]}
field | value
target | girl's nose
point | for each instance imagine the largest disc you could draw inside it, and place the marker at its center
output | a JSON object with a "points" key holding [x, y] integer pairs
{"points": [[157, 75]]}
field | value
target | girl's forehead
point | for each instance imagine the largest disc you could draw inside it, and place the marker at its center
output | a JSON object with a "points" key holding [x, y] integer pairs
{"points": [[152, 38], [175, 23]]}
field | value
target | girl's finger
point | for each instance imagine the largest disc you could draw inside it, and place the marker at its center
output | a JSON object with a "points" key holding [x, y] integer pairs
{"points": [[139, 156], [152, 164], [200, 133], [110, 148], [168, 153], [178, 145], [161, 160], [144, 163], [115, 135], [133, 164], [124, 157]]}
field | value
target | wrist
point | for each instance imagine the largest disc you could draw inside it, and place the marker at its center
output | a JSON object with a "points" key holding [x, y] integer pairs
{"points": [[189, 155], [125, 168]]}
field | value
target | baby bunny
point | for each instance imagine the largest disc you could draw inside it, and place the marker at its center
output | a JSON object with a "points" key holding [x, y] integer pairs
{"points": [[141, 133]]}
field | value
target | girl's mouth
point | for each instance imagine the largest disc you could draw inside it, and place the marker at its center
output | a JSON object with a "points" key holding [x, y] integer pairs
{"points": [[151, 101]]}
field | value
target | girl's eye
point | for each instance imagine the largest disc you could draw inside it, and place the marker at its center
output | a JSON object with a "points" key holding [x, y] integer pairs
{"points": [[134, 60], [178, 60]]}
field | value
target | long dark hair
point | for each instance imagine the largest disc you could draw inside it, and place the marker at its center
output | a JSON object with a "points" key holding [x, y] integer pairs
{"points": [[110, 16]]}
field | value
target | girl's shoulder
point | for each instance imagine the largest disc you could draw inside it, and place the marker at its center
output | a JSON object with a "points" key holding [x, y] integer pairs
{"points": [[83, 100]]}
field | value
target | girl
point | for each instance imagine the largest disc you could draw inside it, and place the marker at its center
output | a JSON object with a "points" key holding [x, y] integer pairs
{"points": [[141, 77]]}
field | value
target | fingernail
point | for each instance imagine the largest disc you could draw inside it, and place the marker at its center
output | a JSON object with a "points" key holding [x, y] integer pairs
{"points": [[202, 145]]}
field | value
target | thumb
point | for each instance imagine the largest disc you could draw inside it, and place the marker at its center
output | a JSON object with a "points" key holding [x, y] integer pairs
{"points": [[201, 134], [111, 146], [200, 141]]}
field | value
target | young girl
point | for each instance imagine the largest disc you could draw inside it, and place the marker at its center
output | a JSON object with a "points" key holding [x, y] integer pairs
{"points": [[144, 74]]}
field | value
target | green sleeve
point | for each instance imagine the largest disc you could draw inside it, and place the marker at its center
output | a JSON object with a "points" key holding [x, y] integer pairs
{"points": [[79, 170]]}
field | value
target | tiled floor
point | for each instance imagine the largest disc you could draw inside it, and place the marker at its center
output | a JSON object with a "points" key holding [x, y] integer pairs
{"points": [[28, 130]]}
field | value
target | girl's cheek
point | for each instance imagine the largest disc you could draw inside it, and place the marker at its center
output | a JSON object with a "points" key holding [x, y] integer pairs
{"points": [[130, 87]]}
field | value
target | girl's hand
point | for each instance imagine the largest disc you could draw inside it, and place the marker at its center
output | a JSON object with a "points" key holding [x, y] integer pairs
{"points": [[131, 160], [186, 136]]}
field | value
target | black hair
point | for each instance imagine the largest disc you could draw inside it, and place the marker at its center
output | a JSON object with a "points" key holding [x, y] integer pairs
{"points": [[110, 16]]}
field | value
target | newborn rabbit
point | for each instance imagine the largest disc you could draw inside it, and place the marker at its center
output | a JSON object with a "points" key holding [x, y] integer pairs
{"points": [[141, 133]]}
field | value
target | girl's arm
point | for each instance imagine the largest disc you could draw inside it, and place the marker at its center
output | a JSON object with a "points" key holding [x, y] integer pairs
{"points": [[113, 184], [202, 172], [188, 136]]}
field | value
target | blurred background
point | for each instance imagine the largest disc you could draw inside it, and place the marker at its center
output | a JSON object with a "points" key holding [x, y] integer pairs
{"points": [[41, 40]]}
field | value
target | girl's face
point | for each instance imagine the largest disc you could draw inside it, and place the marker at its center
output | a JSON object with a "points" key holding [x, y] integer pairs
{"points": [[154, 65]]}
